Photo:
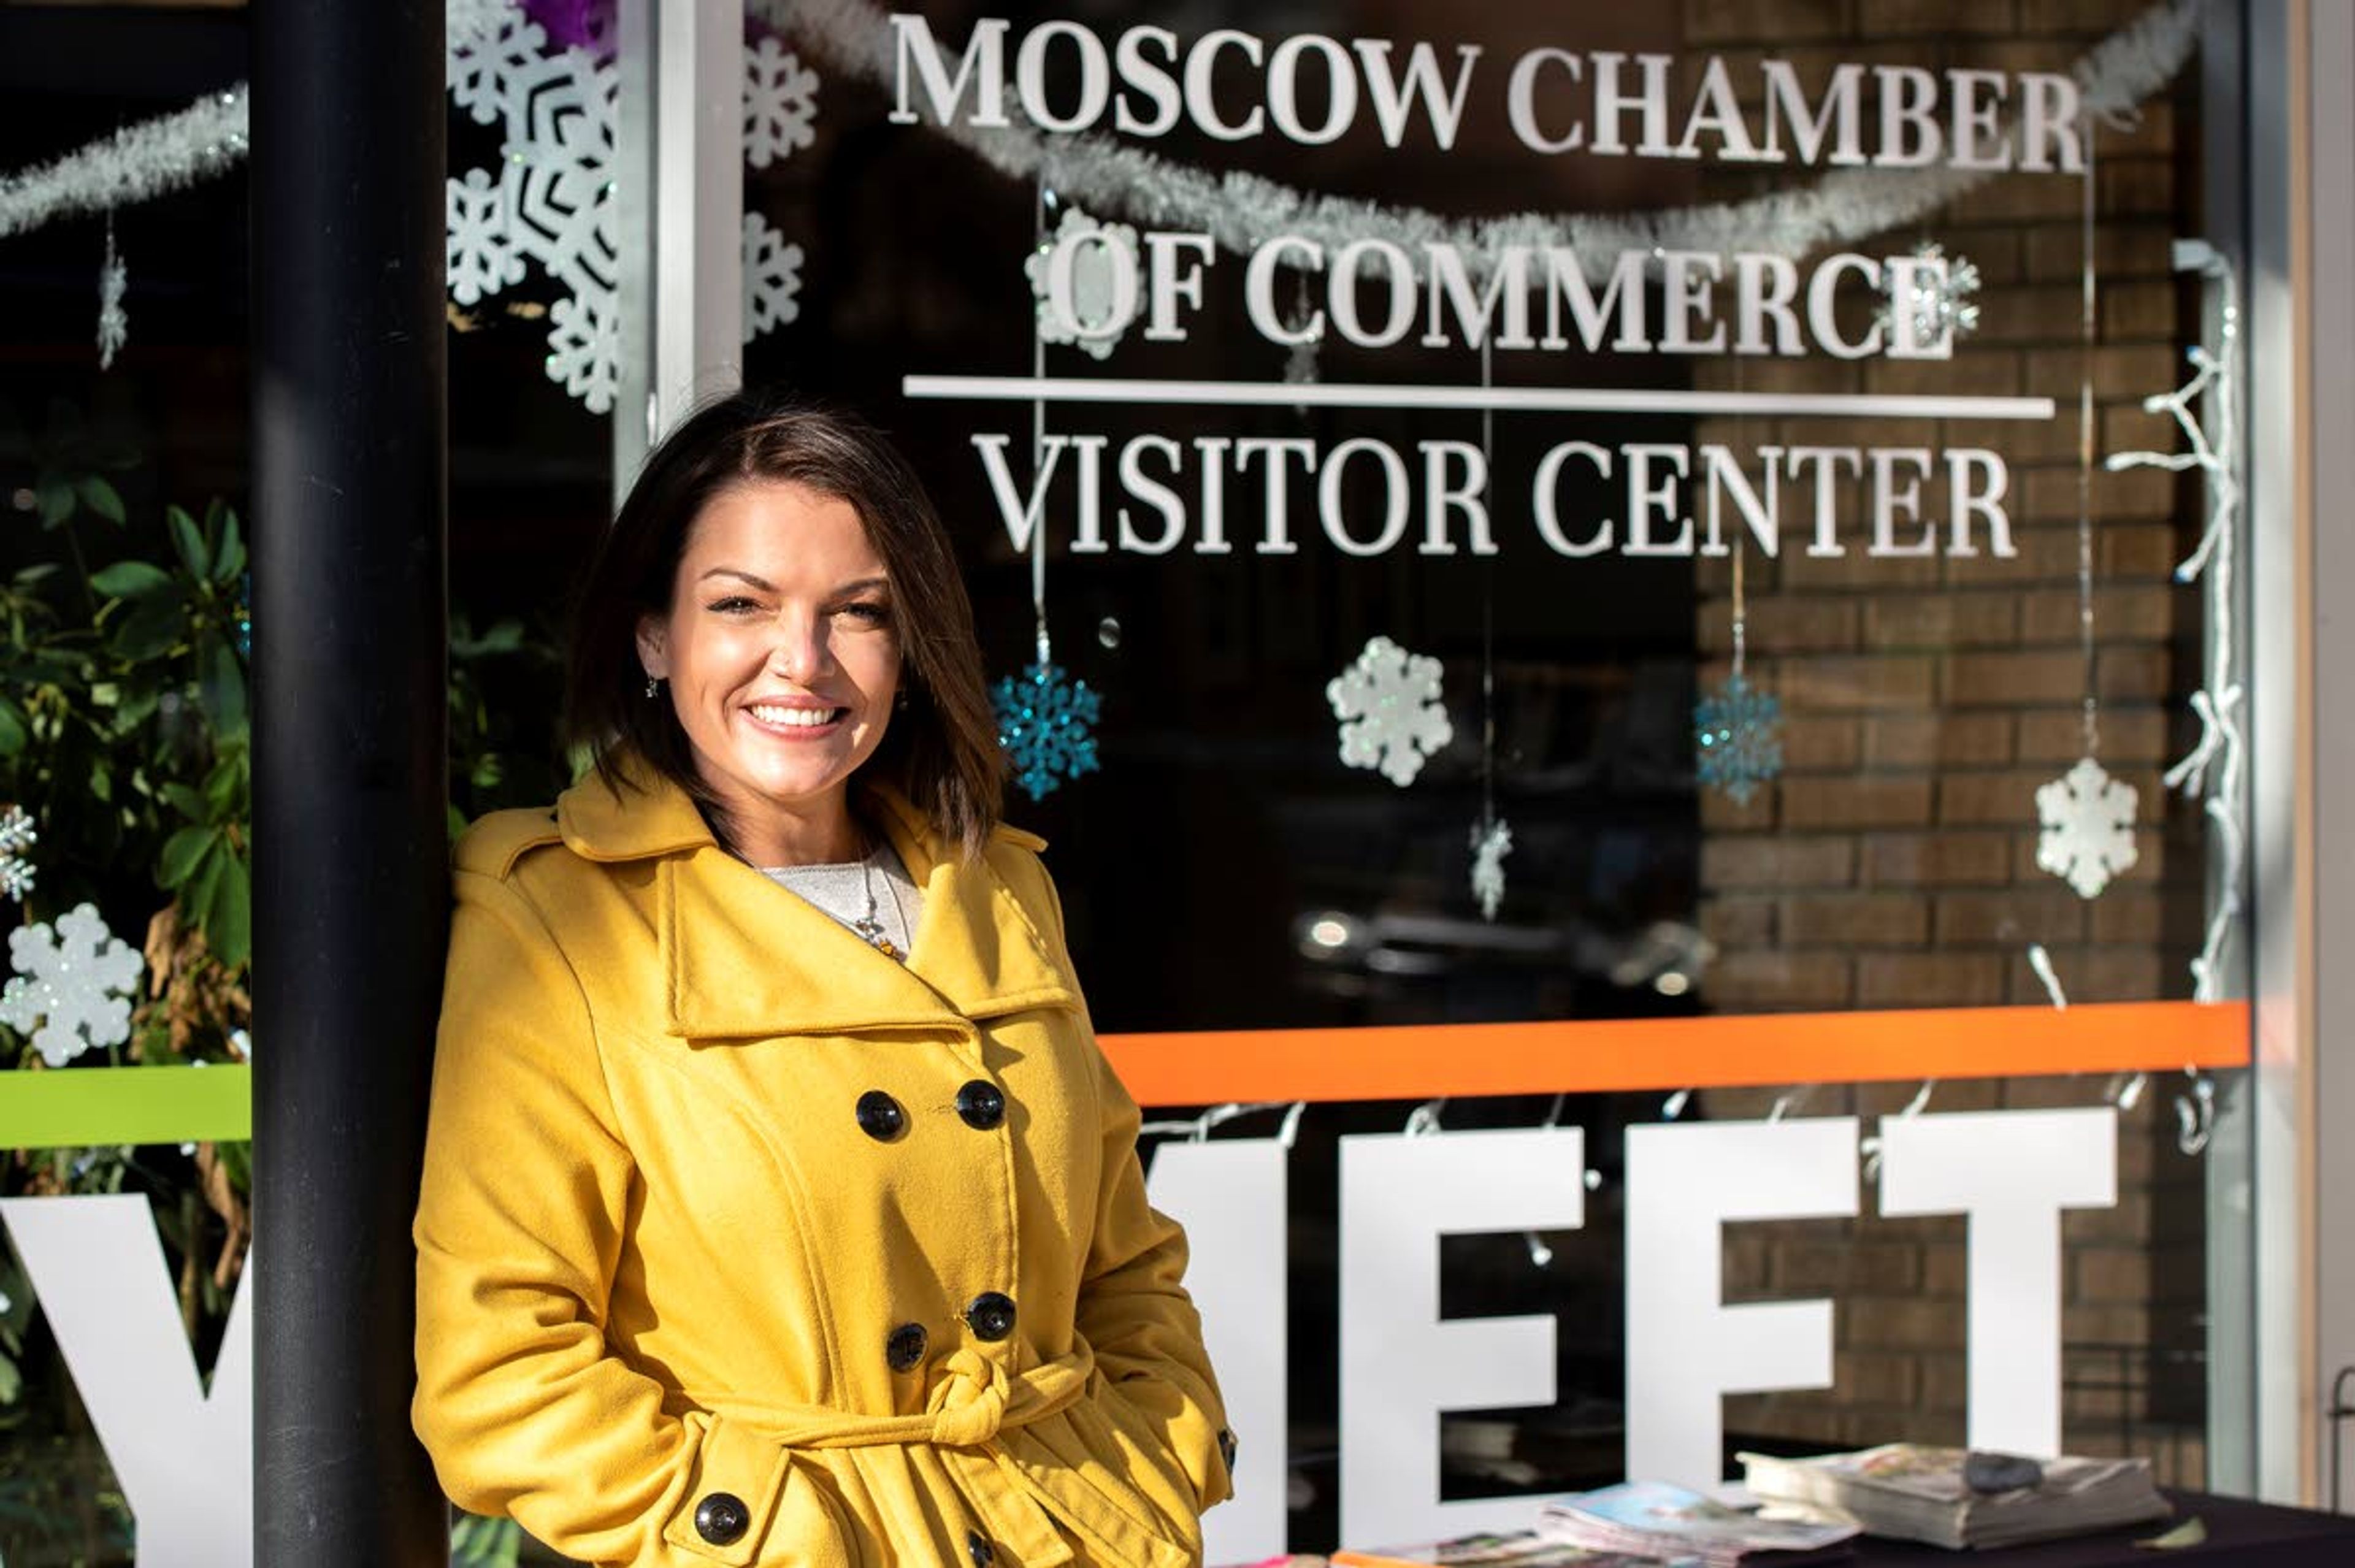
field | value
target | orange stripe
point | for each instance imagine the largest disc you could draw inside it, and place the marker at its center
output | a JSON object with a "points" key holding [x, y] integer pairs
{"points": [[1420, 1062]]}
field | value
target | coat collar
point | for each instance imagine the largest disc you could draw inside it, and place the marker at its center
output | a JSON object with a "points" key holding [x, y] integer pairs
{"points": [[742, 957]]}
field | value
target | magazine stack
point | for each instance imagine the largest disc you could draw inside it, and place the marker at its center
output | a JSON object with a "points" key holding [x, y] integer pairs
{"points": [[1651, 1519], [1951, 1498]]}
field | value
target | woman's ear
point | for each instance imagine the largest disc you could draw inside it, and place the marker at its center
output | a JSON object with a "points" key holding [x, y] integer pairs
{"points": [[652, 656]]}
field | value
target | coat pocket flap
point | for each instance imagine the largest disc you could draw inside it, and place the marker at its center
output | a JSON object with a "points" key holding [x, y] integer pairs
{"points": [[731, 1499]]}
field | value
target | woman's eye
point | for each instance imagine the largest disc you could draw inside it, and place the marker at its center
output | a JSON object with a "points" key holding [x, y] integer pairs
{"points": [[873, 614], [732, 605]]}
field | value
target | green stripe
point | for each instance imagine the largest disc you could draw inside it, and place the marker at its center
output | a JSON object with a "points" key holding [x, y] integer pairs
{"points": [[82, 1106]]}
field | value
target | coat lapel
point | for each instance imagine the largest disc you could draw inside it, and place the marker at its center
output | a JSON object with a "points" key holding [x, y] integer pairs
{"points": [[744, 958]]}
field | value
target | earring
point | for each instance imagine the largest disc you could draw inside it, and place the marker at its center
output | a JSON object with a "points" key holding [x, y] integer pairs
{"points": [[901, 701], [653, 686]]}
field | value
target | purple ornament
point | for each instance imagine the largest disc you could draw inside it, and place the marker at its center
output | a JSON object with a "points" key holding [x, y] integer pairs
{"points": [[574, 24]]}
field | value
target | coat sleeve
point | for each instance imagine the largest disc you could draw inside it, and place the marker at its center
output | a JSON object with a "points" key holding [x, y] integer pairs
{"points": [[1133, 1308], [520, 1222]]}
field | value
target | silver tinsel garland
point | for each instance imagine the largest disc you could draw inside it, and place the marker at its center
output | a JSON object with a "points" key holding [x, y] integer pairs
{"points": [[139, 161], [1240, 210]]}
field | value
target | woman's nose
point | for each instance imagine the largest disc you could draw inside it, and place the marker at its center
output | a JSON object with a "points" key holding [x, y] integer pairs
{"points": [[799, 652]]}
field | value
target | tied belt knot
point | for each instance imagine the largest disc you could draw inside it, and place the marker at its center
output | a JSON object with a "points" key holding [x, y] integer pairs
{"points": [[968, 1400]]}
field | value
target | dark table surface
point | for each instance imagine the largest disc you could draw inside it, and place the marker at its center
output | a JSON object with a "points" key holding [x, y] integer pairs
{"points": [[2239, 1533]]}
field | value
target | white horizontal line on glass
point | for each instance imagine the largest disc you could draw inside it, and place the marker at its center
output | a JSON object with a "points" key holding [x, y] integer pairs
{"points": [[1524, 400]]}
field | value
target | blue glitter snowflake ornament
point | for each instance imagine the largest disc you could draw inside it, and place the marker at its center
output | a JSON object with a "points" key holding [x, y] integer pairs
{"points": [[1046, 721], [1738, 737]]}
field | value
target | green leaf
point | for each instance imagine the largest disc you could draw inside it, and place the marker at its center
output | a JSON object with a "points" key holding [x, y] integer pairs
{"points": [[225, 784], [195, 900], [224, 687], [154, 624], [56, 499], [189, 541], [229, 927], [184, 852], [229, 558], [101, 497], [130, 579], [12, 734], [186, 802]]}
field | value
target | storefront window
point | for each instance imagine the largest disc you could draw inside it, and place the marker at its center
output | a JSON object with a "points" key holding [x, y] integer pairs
{"points": [[1945, 602], [1593, 576]]}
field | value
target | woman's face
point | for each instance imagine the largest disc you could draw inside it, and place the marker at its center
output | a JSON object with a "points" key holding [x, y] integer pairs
{"points": [[782, 657]]}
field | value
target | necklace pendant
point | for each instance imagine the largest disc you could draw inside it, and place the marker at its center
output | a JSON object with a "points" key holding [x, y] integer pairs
{"points": [[870, 931]]}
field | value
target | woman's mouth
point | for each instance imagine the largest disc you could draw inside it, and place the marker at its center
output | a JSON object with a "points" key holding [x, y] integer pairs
{"points": [[797, 723]]}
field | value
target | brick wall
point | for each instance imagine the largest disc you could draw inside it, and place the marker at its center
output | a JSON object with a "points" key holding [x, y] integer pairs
{"points": [[1894, 864]]}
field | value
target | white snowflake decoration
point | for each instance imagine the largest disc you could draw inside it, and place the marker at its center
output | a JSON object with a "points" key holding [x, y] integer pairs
{"points": [[113, 322], [780, 104], [2088, 820], [1091, 282], [1390, 708], [17, 835], [551, 200], [75, 982], [1942, 308], [482, 259], [1490, 845], [584, 350], [467, 23], [772, 277]]}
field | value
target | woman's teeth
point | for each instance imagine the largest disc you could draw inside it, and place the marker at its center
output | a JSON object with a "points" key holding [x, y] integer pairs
{"points": [[799, 718]]}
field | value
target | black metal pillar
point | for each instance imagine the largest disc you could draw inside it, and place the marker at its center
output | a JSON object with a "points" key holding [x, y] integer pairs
{"points": [[350, 841]]}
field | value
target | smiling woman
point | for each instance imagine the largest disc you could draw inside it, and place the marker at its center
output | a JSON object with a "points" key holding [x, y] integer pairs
{"points": [[783, 665], [811, 1238]]}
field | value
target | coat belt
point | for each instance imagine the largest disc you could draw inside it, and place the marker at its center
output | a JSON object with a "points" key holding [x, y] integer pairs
{"points": [[972, 1403], [972, 1400]]}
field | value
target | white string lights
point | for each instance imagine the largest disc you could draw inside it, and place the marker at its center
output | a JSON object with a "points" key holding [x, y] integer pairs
{"points": [[2205, 409]]}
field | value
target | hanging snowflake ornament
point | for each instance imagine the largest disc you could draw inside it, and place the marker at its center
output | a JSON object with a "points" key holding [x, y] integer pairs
{"points": [[1490, 845], [2088, 820], [113, 322], [1046, 721], [1091, 281], [73, 985], [482, 259], [1738, 738], [772, 277], [17, 835], [1307, 327], [1390, 708], [780, 104], [1944, 306]]}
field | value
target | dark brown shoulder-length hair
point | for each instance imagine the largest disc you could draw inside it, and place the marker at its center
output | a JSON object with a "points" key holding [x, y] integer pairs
{"points": [[940, 750]]}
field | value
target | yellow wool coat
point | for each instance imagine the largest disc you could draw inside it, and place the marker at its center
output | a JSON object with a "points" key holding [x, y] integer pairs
{"points": [[741, 1242]]}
